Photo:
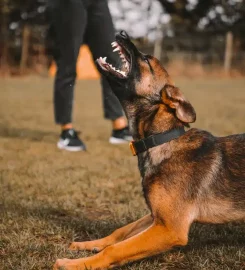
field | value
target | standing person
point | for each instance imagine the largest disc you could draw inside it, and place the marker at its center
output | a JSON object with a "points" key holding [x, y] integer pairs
{"points": [[74, 22]]}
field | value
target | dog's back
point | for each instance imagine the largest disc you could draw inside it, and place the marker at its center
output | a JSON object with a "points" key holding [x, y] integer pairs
{"points": [[233, 149], [219, 177], [233, 163]]}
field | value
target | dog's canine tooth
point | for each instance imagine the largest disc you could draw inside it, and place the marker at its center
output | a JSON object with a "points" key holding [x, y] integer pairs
{"points": [[112, 67], [114, 43]]}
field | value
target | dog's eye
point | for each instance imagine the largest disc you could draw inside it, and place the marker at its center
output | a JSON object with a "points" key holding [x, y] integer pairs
{"points": [[146, 60]]}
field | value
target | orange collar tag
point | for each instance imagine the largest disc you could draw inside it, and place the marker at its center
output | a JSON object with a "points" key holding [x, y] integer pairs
{"points": [[131, 146]]}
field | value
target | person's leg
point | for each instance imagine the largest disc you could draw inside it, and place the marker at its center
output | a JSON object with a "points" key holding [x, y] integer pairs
{"points": [[99, 36], [111, 106], [68, 23]]}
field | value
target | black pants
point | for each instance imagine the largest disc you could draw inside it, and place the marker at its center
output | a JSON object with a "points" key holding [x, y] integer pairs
{"points": [[74, 22]]}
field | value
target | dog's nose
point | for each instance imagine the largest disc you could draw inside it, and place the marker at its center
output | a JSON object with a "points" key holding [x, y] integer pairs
{"points": [[124, 34]]}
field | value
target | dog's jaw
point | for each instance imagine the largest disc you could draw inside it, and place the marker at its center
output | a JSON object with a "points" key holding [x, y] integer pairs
{"points": [[124, 70]]}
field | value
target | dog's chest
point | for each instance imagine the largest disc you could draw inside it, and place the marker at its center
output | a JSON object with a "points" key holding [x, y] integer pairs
{"points": [[149, 162]]}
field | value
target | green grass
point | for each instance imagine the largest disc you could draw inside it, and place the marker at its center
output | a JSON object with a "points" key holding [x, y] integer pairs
{"points": [[50, 197]]}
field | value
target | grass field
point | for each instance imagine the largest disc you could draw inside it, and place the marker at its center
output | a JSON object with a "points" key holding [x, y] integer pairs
{"points": [[50, 197]]}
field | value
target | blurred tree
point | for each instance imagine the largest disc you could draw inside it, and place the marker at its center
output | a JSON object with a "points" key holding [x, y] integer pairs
{"points": [[186, 14], [15, 16], [5, 9], [216, 15]]}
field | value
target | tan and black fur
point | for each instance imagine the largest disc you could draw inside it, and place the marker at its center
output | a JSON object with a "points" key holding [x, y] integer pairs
{"points": [[195, 178]]}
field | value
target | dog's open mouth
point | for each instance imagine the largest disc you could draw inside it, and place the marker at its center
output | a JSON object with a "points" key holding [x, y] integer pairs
{"points": [[124, 69]]}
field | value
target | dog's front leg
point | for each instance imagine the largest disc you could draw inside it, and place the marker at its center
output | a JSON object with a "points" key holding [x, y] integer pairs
{"points": [[154, 240], [117, 236]]}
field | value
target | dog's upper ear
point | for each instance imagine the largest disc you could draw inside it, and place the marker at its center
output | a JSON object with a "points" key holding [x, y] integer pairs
{"points": [[172, 97]]}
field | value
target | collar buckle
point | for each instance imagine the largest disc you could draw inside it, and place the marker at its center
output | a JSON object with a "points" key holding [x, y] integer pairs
{"points": [[132, 148]]}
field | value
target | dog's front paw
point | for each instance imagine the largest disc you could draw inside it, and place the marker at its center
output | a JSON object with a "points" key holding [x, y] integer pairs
{"points": [[60, 264], [67, 264], [78, 246], [79, 264], [84, 246]]}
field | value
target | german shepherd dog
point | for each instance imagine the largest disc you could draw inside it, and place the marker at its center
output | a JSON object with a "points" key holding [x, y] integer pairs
{"points": [[187, 176]]}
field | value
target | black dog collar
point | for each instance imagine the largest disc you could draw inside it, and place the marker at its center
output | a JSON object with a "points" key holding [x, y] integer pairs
{"points": [[154, 140]]}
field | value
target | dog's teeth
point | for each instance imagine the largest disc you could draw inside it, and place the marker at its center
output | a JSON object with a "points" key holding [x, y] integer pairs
{"points": [[125, 63], [114, 44], [112, 67]]}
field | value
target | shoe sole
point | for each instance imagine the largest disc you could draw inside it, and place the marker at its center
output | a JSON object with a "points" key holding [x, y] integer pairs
{"points": [[70, 148], [114, 140]]}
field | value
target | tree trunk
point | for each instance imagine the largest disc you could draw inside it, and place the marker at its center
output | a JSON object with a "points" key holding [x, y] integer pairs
{"points": [[158, 43], [228, 52], [25, 48], [4, 57]]}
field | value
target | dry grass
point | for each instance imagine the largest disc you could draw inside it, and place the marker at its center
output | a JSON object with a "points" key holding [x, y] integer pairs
{"points": [[50, 197]]}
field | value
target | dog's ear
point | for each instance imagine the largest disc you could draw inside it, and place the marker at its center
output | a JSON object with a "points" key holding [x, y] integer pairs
{"points": [[172, 97]]}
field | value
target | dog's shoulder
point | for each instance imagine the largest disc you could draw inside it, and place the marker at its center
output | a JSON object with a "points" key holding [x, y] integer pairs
{"points": [[198, 135], [195, 142]]}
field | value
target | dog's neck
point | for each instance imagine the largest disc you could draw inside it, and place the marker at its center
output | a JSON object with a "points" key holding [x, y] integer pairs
{"points": [[153, 122]]}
